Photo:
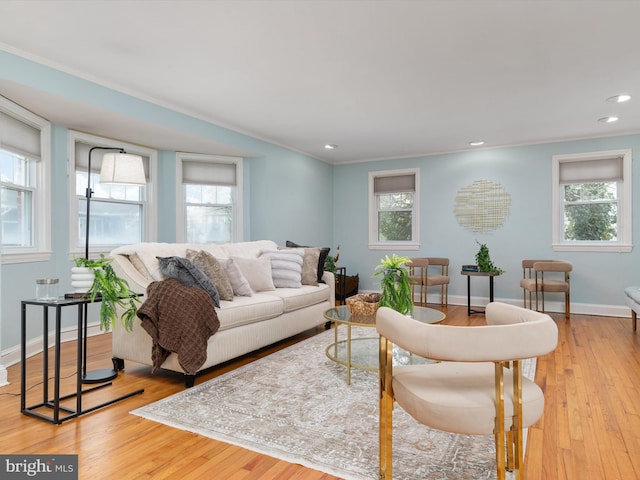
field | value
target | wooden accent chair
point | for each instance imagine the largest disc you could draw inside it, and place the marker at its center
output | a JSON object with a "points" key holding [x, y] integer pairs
{"points": [[546, 276], [429, 272], [477, 386]]}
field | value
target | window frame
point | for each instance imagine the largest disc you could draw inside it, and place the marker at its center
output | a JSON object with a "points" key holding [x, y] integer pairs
{"points": [[414, 243], [41, 204], [624, 197], [149, 215], [237, 229]]}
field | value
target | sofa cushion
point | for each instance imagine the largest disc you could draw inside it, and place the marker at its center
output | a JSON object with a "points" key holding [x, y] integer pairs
{"points": [[257, 271], [246, 310], [237, 280], [210, 266], [186, 273], [324, 252], [297, 298], [286, 267]]}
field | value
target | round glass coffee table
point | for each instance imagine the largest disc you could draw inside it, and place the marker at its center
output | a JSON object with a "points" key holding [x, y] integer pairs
{"points": [[362, 352]]}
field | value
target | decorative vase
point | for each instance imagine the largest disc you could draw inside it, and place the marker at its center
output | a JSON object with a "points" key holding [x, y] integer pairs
{"points": [[82, 279]]}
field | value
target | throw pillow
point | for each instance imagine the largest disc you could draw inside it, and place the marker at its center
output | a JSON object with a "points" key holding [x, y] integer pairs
{"points": [[139, 266], [323, 257], [186, 273], [237, 280], [210, 266], [286, 267], [257, 271]]}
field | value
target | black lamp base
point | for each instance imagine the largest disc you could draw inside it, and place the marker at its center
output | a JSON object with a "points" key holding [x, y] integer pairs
{"points": [[100, 376]]}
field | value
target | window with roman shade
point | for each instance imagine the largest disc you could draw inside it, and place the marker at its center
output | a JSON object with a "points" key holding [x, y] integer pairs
{"points": [[211, 187], [24, 171], [119, 213], [393, 209], [592, 195]]}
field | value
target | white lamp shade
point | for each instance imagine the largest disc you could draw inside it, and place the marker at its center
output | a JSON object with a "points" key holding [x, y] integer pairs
{"points": [[122, 168]]}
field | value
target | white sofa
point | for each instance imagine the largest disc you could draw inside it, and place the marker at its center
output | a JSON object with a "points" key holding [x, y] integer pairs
{"points": [[247, 323]]}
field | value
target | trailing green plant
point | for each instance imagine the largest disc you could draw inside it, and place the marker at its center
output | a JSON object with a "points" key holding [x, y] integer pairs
{"points": [[395, 283], [331, 263], [483, 260], [113, 290]]}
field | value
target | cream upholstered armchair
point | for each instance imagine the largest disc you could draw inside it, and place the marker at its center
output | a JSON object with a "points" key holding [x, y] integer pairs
{"points": [[546, 276], [429, 272], [477, 386]]}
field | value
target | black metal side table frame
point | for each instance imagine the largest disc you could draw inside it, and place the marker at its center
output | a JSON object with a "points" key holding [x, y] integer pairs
{"points": [[471, 311], [60, 412]]}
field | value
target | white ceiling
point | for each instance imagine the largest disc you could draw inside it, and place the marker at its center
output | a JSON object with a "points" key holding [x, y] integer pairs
{"points": [[381, 79]]}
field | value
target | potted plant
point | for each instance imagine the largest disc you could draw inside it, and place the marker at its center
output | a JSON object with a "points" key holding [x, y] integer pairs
{"points": [[483, 260], [396, 284], [113, 291]]}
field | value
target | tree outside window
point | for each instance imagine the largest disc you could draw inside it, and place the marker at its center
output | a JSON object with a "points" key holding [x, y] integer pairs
{"points": [[395, 217], [591, 212]]}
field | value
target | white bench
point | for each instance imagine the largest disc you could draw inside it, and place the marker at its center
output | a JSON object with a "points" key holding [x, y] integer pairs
{"points": [[632, 297]]}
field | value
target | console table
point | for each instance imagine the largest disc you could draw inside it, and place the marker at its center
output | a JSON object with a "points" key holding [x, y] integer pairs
{"points": [[60, 413], [490, 275]]}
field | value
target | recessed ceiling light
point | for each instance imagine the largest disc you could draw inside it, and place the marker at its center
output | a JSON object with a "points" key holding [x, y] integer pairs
{"points": [[610, 119], [619, 98], [329, 146], [476, 143]]}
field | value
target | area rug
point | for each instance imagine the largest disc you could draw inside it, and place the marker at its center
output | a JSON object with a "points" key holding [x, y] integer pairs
{"points": [[295, 405]]}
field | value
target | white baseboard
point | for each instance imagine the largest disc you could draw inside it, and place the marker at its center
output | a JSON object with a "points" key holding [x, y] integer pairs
{"points": [[11, 355]]}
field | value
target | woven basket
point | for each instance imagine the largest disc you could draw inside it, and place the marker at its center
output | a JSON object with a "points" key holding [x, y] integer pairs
{"points": [[365, 304]]}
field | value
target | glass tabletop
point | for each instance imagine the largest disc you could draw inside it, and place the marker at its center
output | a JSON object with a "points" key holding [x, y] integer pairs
{"points": [[341, 314]]}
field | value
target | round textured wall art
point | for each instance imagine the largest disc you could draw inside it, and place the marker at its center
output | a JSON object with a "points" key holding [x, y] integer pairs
{"points": [[482, 206]]}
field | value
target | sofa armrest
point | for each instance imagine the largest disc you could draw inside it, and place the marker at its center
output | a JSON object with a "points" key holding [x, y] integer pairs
{"points": [[330, 279], [125, 270]]}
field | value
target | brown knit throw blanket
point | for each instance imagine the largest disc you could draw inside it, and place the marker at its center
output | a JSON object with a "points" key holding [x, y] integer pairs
{"points": [[180, 319]]}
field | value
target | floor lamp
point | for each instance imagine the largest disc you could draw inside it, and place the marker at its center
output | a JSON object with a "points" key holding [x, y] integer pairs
{"points": [[121, 168]]}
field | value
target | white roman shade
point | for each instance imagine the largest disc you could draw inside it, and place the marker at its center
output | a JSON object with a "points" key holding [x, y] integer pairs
{"points": [[394, 184], [18, 137], [591, 171], [208, 173]]}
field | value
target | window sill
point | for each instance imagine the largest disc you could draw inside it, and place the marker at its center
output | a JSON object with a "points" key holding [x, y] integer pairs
{"points": [[394, 246], [617, 248], [25, 257]]}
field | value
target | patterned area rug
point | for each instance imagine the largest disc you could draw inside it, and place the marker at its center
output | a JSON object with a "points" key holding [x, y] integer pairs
{"points": [[295, 405]]}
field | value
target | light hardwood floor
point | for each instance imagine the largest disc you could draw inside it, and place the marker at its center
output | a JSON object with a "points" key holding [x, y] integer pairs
{"points": [[590, 428]]}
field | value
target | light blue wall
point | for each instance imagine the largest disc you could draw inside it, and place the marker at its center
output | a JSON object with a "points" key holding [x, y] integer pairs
{"points": [[287, 195], [525, 172]]}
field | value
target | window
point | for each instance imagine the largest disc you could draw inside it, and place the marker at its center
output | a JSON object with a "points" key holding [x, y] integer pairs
{"points": [[592, 202], [25, 226], [393, 209], [118, 212], [211, 193]]}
